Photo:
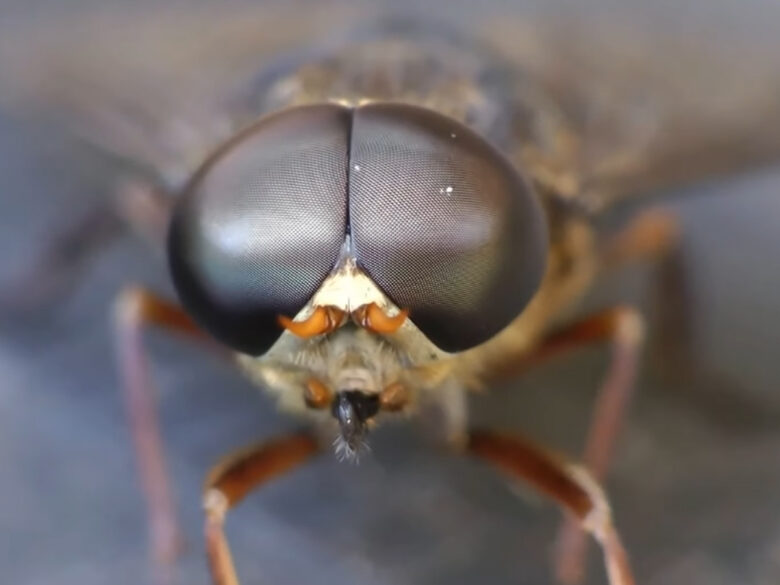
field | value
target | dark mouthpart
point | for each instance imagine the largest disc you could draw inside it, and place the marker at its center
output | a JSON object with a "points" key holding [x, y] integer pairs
{"points": [[352, 409]]}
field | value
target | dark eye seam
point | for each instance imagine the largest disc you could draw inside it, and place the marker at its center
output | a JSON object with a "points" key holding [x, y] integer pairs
{"points": [[439, 219], [443, 223], [262, 224]]}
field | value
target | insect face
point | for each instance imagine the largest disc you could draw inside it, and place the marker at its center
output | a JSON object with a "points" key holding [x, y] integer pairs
{"points": [[346, 381], [324, 216]]}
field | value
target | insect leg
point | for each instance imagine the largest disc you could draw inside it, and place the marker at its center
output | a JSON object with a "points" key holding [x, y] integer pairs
{"points": [[235, 477], [570, 486], [135, 309], [653, 234], [690, 379], [673, 349], [623, 326]]}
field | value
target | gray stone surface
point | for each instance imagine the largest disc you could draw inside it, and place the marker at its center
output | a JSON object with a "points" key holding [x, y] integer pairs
{"points": [[696, 485]]}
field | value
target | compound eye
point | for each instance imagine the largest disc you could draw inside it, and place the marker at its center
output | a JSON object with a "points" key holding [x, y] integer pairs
{"points": [[262, 224], [443, 223]]}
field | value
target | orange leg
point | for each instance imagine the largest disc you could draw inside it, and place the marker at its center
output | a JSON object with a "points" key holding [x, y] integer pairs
{"points": [[654, 233], [623, 326], [135, 309], [236, 476], [569, 485]]}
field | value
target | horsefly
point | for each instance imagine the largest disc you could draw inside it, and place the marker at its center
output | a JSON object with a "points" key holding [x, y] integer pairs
{"points": [[379, 223]]}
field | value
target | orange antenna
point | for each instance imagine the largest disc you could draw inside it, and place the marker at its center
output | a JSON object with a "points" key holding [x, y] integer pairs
{"points": [[374, 319], [322, 320]]}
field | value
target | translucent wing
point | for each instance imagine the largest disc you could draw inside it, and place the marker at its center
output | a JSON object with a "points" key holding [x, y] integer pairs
{"points": [[655, 100], [152, 87], [649, 99]]}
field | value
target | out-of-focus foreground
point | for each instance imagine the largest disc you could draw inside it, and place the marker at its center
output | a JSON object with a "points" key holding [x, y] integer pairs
{"points": [[696, 484]]}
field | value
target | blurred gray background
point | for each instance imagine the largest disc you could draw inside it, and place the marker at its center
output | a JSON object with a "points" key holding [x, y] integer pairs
{"points": [[696, 484]]}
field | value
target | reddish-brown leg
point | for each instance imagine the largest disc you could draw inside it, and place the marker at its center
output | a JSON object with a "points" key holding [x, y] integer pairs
{"points": [[623, 327], [233, 478], [653, 234], [135, 309], [570, 486]]}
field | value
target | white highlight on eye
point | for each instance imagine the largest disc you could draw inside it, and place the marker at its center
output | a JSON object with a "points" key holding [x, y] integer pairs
{"points": [[453, 135], [448, 190]]}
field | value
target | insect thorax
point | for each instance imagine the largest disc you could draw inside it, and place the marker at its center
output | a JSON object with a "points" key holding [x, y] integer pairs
{"points": [[401, 62]]}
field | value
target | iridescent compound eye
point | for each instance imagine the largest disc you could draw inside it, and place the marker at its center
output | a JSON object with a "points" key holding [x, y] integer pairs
{"points": [[262, 224], [443, 223], [439, 219]]}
